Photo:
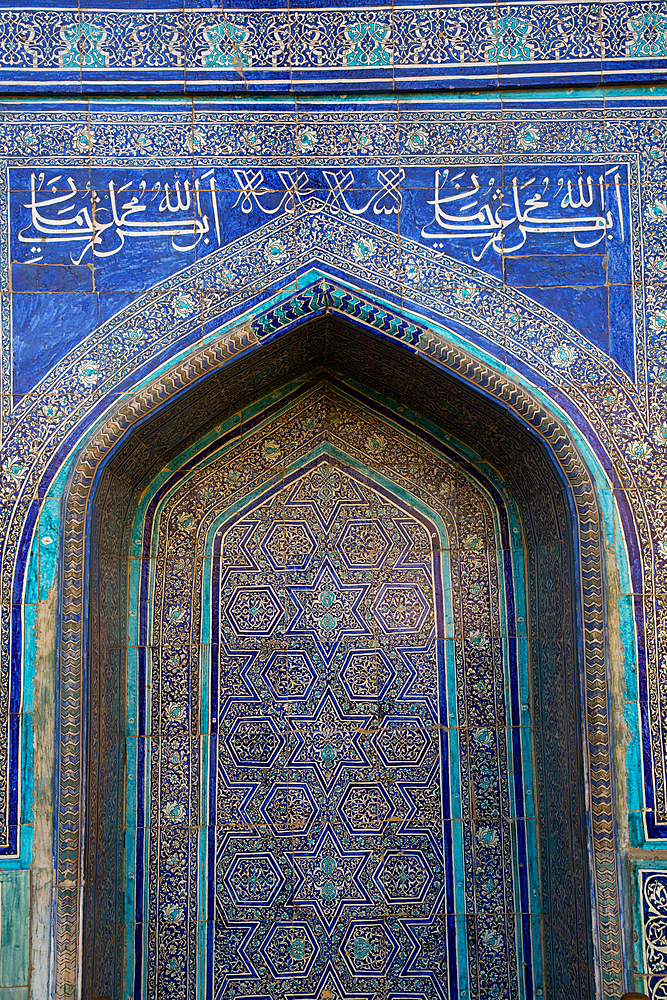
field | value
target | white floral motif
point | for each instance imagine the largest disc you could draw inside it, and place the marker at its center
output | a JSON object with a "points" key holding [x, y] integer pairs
{"points": [[183, 304], [375, 444], [638, 449], [413, 270], [657, 212], [465, 293], [186, 520], [563, 356], [658, 321], [528, 137], [662, 548], [481, 140], [478, 639], [14, 470], [660, 434], [491, 939], [50, 410], [656, 264], [174, 811], [195, 141], [417, 140], [365, 141], [251, 139], [89, 372], [271, 451], [135, 334], [473, 543], [173, 914], [83, 141], [488, 837], [275, 251], [175, 711], [363, 248], [29, 140], [306, 139]]}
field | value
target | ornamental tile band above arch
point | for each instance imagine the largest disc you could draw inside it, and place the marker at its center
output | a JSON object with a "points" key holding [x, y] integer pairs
{"points": [[264, 48], [231, 278]]}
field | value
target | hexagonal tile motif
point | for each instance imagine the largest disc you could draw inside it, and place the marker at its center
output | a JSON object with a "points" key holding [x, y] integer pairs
{"points": [[289, 809], [254, 611], [289, 545], [364, 544], [254, 742], [401, 608], [368, 948], [366, 674], [402, 740], [253, 879], [290, 675], [289, 950], [403, 876], [365, 808]]}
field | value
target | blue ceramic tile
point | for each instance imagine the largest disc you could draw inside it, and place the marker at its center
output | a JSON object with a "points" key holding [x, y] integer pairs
{"points": [[311, 669]]}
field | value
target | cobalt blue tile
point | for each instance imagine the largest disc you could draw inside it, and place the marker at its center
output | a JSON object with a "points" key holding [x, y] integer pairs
{"points": [[46, 326], [622, 341]]}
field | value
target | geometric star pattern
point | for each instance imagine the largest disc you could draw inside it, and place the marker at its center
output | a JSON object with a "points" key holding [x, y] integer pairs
{"points": [[328, 798], [329, 877], [328, 741], [312, 726], [328, 755]]}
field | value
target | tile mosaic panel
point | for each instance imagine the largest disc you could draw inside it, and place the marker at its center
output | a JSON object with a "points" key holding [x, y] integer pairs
{"points": [[648, 876], [592, 352], [565, 889], [338, 816]]}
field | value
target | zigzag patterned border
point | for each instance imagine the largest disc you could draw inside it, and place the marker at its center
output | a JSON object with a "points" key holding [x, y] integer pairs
{"points": [[341, 302]]}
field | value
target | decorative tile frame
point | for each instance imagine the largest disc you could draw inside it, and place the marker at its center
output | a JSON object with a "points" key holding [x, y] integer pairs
{"points": [[183, 489]]}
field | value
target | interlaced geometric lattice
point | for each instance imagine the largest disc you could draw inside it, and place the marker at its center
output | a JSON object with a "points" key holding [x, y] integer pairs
{"points": [[352, 616]]}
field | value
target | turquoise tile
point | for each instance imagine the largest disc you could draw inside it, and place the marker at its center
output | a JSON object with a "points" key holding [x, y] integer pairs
{"points": [[14, 928]]}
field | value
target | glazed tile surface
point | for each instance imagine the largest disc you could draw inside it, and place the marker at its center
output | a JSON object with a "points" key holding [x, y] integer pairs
{"points": [[332, 440], [316, 48], [334, 843]]}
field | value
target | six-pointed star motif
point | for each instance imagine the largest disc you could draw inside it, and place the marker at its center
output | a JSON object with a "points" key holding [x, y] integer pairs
{"points": [[327, 609], [328, 740], [328, 878]]}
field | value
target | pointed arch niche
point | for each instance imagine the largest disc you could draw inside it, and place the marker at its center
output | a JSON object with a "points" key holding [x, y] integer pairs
{"points": [[333, 703]]}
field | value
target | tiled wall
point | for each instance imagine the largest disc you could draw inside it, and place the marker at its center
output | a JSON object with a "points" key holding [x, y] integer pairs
{"points": [[145, 244]]}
